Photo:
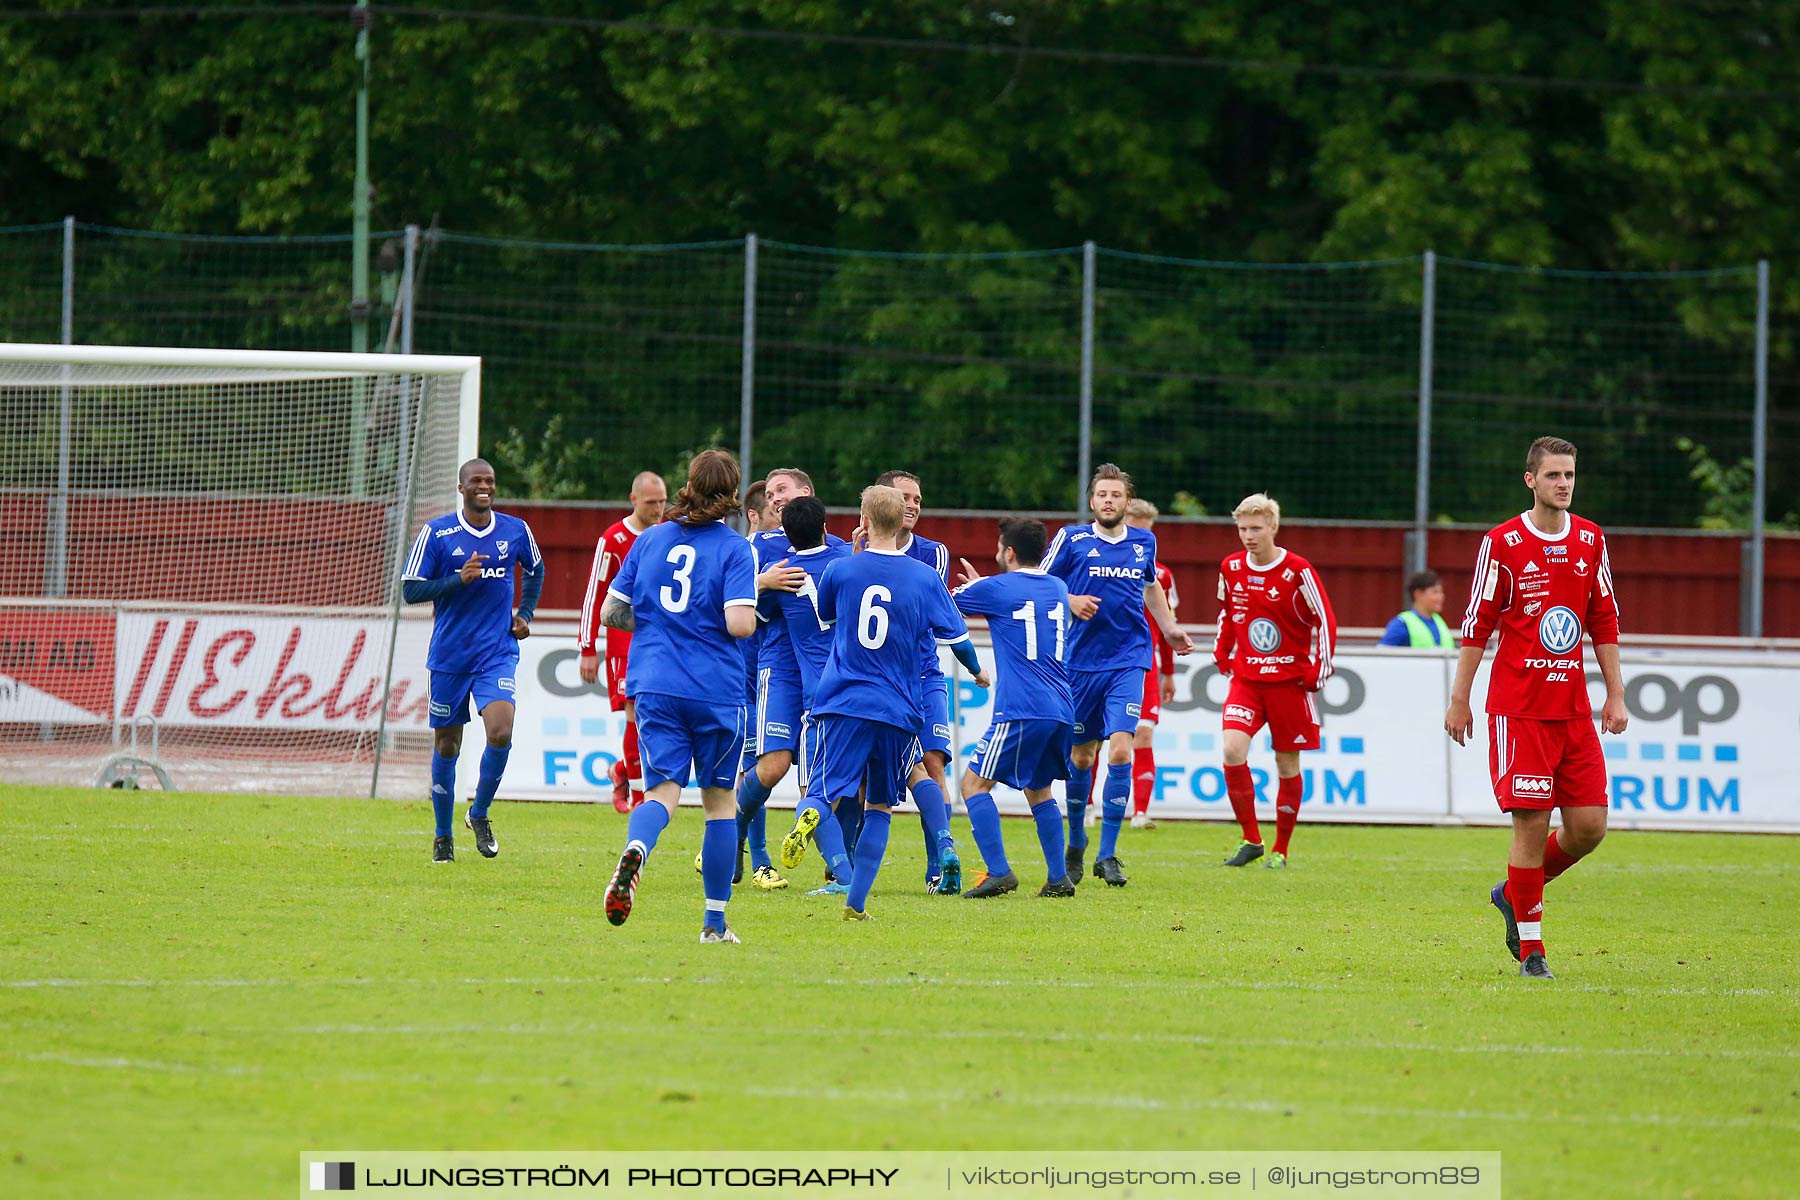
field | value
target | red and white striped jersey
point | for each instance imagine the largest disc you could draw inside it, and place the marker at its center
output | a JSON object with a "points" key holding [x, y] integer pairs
{"points": [[1165, 653], [1542, 592], [609, 554], [1275, 622]]}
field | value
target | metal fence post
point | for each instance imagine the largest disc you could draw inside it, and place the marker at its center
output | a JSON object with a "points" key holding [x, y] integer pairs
{"points": [[1085, 435], [747, 398], [408, 278], [56, 577], [1418, 549], [1760, 454]]}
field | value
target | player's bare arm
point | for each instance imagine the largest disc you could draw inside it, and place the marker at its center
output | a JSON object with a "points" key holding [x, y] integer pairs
{"points": [[617, 614], [1083, 607], [1612, 713], [1157, 601], [1459, 722], [781, 578], [471, 568]]}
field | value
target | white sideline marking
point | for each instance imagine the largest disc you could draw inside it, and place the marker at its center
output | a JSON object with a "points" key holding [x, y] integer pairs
{"points": [[1498, 985], [900, 1096]]}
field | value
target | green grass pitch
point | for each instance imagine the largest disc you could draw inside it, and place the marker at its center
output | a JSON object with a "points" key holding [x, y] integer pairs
{"points": [[197, 988]]}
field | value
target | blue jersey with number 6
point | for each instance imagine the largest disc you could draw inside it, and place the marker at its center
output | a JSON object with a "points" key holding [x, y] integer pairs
{"points": [[679, 580], [1028, 620], [889, 612]]}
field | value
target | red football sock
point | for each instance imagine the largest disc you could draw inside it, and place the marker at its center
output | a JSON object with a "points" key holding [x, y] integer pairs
{"points": [[1556, 859], [634, 766], [1242, 790], [1287, 811], [1143, 778], [1525, 888]]}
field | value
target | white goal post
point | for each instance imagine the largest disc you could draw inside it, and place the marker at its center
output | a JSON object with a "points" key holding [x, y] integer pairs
{"points": [[203, 552]]}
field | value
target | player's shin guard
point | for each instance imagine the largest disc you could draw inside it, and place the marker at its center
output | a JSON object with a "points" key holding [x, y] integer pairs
{"points": [[752, 818], [984, 823], [493, 765], [758, 840], [1556, 859], [934, 813], [718, 858], [870, 847], [443, 792], [1525, 888], [1287, 811], [1143, 778], [647, 824], [1242, 790], [1076, 791], [1050, 837], [1113, 802]]}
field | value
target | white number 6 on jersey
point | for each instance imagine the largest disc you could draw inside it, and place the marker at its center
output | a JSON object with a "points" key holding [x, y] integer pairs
{"points": [[872, 619], [682, 558]]}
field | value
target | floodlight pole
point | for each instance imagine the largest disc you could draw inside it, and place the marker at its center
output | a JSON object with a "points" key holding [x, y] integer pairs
{"points": [[360, 18]]}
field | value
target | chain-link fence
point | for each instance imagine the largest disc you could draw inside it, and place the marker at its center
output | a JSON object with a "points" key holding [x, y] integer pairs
{"points": [[1402, 390]]}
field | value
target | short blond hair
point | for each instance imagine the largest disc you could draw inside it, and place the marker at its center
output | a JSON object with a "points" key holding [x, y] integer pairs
{"points": [[884, 510], [1258, 504], [1141, 509]]}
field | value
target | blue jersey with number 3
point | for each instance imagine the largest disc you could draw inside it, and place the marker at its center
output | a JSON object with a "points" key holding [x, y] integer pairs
{"points": [[1028, 619], [679, 580], [889, 611]]}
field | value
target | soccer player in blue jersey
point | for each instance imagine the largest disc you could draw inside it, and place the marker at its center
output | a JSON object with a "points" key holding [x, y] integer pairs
{"points": [[1110, 570], [887, 610], [1027, 745], [796, 645], [927, 782], [687, 591], [463, 563]]}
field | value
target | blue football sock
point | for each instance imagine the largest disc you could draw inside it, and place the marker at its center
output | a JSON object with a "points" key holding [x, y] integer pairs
{"points": [[751, 797], [850, 821], [984, 822], [934, 814], [718, 858], [493, 765], [1113, 803], [758, 840], [828, 836], [1050, 837], [443, 792], [648, 820], [1077, 792], [870, 848]]}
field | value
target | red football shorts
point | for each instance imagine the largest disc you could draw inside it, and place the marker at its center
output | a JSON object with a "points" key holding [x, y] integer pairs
{"points": [[1546, 764], [1286, 708], [618, 645], [1150, 712]]}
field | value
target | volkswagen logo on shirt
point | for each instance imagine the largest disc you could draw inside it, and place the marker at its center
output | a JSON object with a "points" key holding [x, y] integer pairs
{"points": [[1559, 631], [1264, 635]]}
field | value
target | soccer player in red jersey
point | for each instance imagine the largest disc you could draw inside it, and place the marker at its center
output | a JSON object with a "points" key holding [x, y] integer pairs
{"points": [[648, 496], [1159, 682], [1276, 636], [1542, 579]]}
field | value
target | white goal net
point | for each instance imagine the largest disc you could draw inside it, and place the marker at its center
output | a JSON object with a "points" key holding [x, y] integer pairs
{"points": [[202, 552]]}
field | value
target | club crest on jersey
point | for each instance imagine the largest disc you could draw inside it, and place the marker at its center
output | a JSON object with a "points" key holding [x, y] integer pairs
{"points": [[1514, 537], [1581, 566], [1264, 635], [1138, 548], [1532, 787], [500, 548], [1560, 630], [1274, 593]]}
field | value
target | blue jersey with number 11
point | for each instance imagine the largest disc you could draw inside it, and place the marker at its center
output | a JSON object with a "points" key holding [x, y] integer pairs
{"points": [[1028, 620], [679, 580]]}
